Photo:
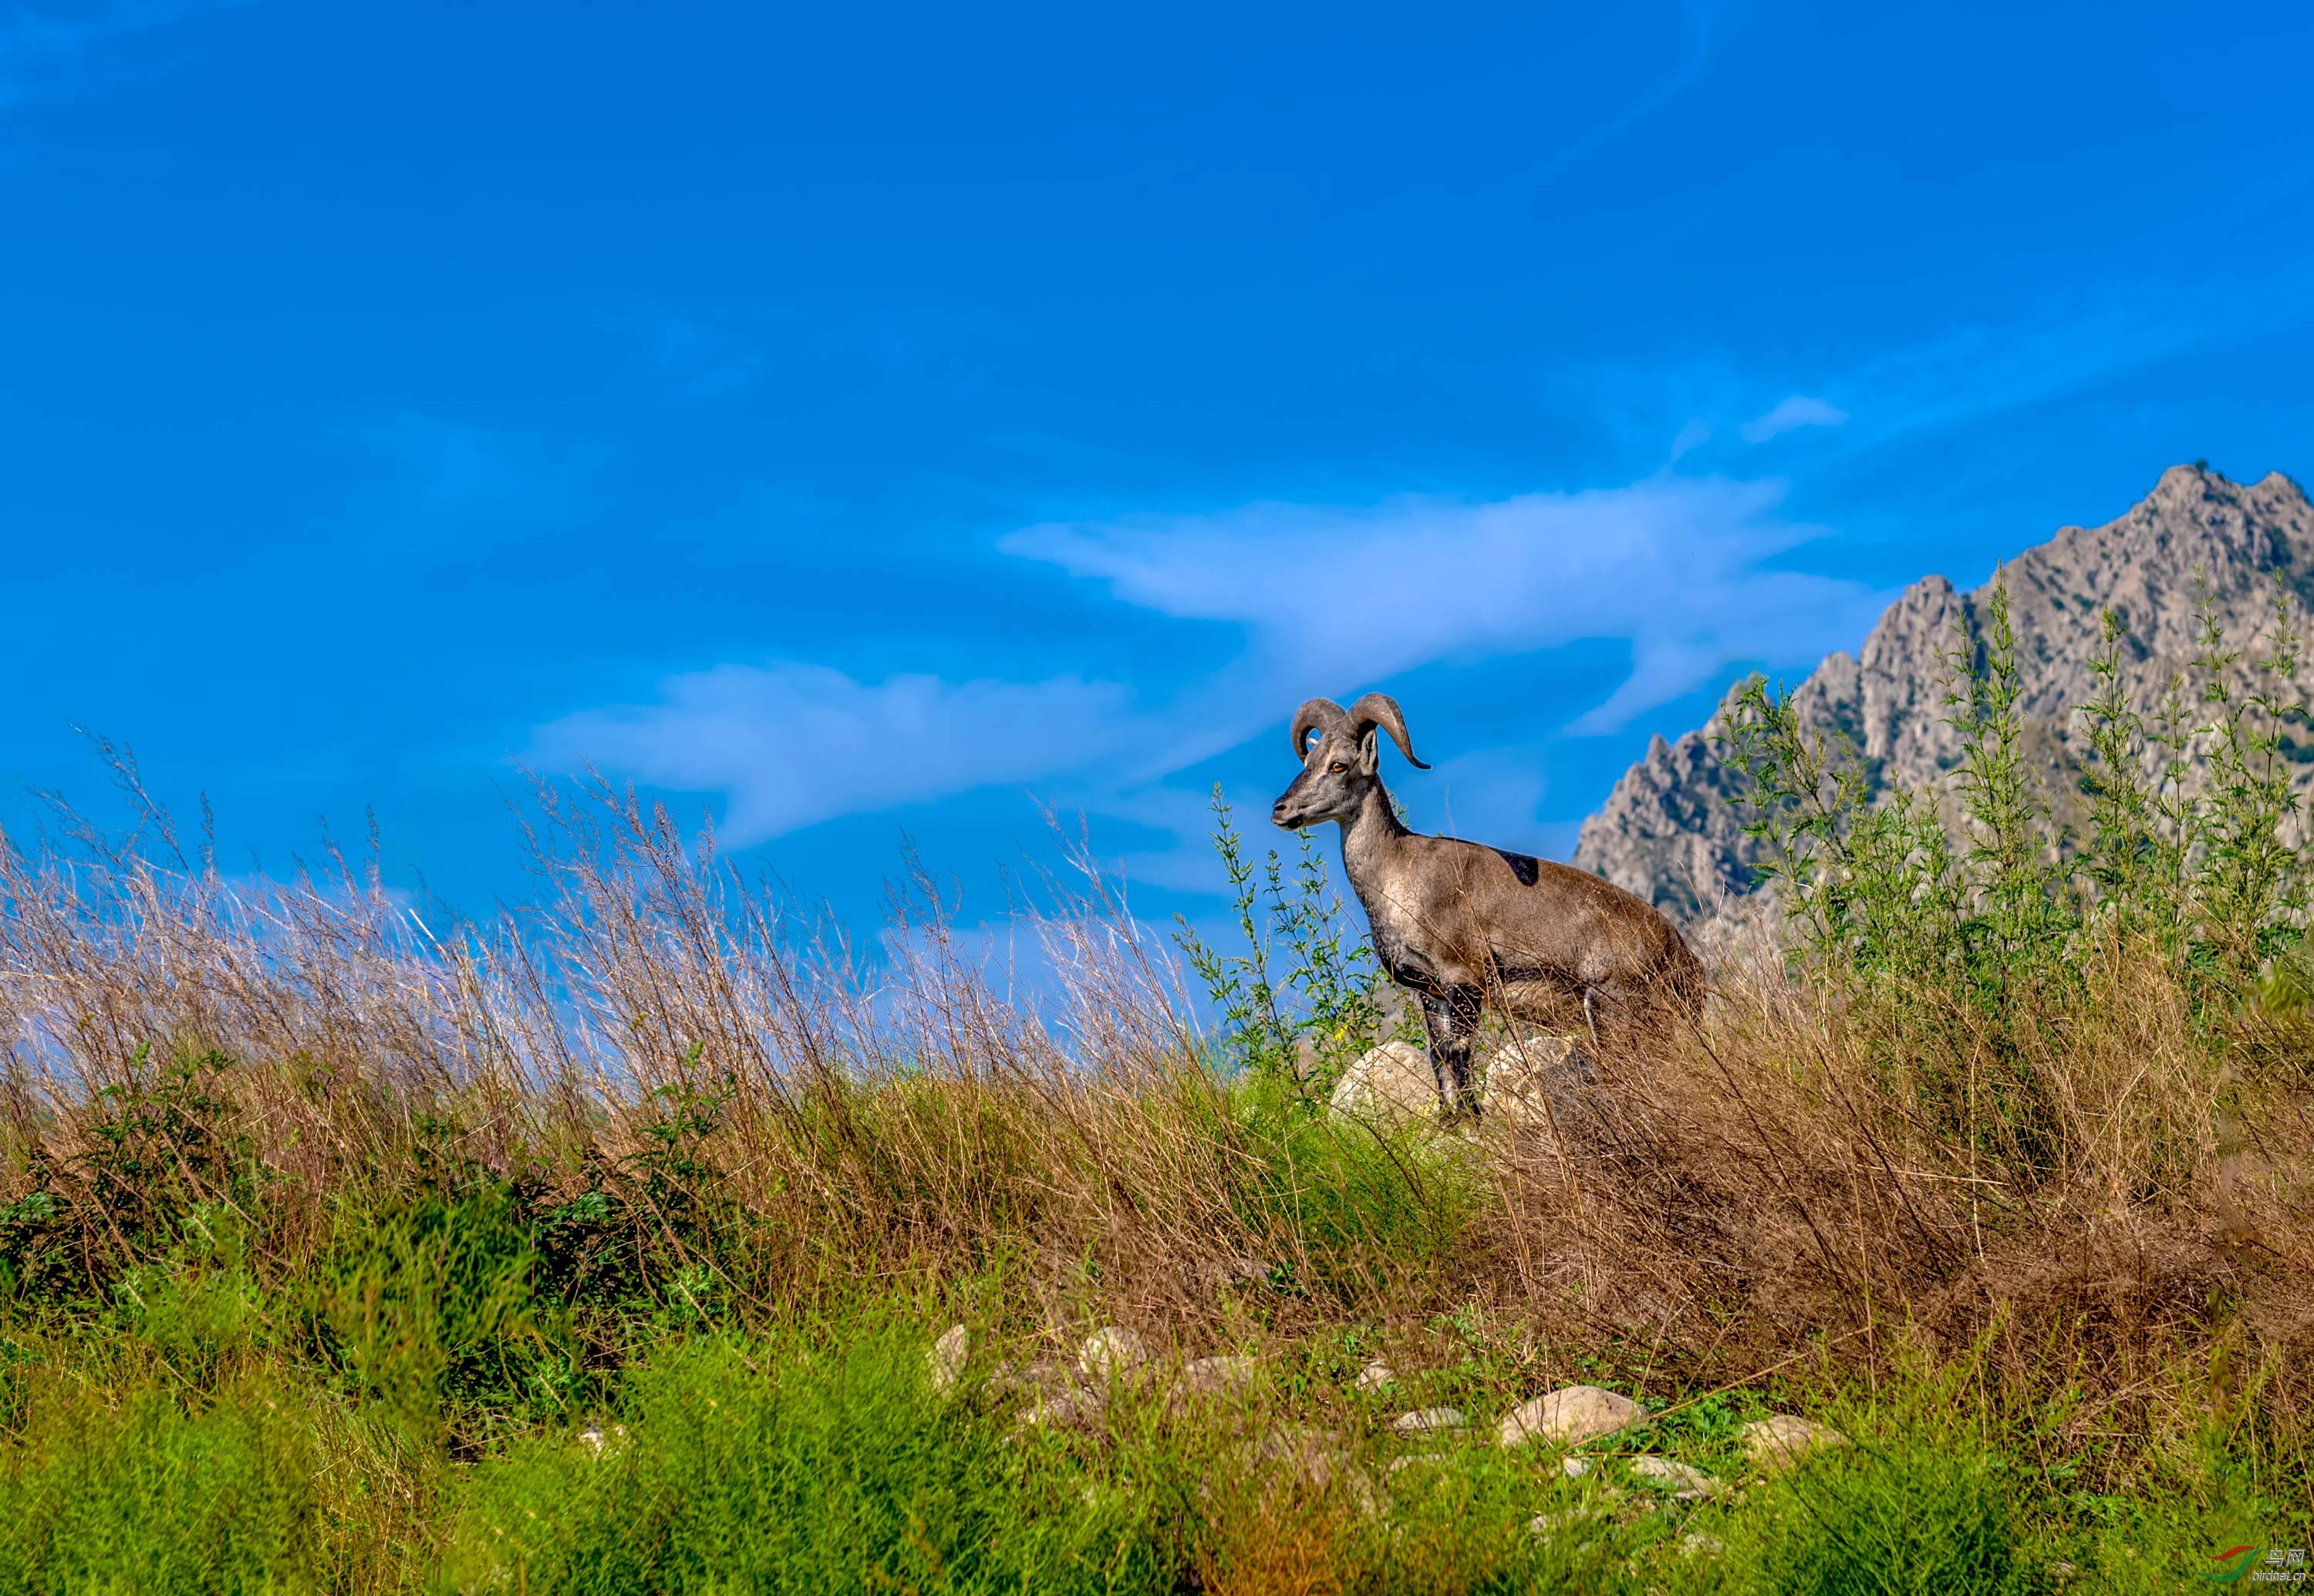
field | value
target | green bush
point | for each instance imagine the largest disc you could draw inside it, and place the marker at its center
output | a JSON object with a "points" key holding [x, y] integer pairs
{"points": [[819, 1462], [141, 1494], [2187, 849], [1303, 999], [432, 1305], [1928, 1509]]}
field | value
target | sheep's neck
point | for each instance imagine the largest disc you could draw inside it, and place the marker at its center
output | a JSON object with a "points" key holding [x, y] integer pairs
{"points": [[1369, 837]]}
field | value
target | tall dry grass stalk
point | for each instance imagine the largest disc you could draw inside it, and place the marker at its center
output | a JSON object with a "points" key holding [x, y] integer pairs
{"points": [[1792, 1181], [884, 1111], [1788, 1188]]}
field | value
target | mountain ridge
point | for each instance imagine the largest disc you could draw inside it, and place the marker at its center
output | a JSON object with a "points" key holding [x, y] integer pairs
{"points": [[1672, 829]]}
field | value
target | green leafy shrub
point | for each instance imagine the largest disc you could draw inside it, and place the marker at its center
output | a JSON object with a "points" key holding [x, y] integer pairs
{"points": [[1927, 1511], [1303, 999], [139, 1494], [433, 1305], [1968, 925], [819, 1462]]}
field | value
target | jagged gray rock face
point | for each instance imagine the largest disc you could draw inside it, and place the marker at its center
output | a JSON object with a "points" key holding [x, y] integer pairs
{"points": [[1671, 831]]}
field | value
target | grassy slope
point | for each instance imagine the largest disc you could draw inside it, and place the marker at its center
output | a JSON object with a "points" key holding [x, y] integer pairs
{"points": [[324, 1247], [353, 1427]]}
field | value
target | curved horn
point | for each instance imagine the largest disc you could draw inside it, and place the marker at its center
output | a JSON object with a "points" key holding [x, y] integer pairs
{"points": [[1319, 714], [1379, 709]]}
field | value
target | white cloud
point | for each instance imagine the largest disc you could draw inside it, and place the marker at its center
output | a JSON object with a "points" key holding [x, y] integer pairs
{"points": [[1331, 600], [793, 745], [1692, 437], [1334, 598], [1799, 410]]}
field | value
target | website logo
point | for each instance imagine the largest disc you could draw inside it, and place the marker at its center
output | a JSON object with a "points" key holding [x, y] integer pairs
{"points": [[2259, 1565]]}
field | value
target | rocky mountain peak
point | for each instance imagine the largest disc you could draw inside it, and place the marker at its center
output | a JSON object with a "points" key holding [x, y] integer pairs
{"points": [[1672, 829]]}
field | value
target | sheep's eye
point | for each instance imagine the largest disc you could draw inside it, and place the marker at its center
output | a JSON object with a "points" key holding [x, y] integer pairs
{"points": [[1338, 769]]}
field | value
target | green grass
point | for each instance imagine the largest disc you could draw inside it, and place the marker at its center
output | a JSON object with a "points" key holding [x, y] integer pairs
{"points": [[448, 1398], [818, 1460], [192, 1441], [135, 1490]]}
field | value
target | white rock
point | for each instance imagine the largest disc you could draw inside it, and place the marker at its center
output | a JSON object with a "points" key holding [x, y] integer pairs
{"points": [[1697, 1543], [1774, 1444], [1392, 1083], [1528, 1079], [1690, 1483], [1053, 1393], [1573, 1468], [945, 1362], [1569, 1415], [1428, 1418], [1375, 1376], [1111, 1353], [1544, 1526], [1226, 1375]]}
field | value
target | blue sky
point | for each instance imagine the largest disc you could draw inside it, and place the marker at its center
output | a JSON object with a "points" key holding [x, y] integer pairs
{"points": [[856, 421]]}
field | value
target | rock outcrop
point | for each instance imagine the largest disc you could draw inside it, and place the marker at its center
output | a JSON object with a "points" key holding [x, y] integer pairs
{"points": [[1392, 1084], [1775, 1443], [1671, 831], [1537, 1079], [1569, 1415]]}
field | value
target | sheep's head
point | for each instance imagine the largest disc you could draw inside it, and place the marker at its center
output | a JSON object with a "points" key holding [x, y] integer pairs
{"points": [[1340, 767]]}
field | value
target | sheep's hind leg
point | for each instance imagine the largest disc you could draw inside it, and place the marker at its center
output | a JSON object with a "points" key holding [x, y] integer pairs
{"points": [[1451, 1021]]}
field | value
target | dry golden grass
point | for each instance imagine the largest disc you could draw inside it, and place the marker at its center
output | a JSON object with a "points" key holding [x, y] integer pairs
{"points": [[1791, 1192]]}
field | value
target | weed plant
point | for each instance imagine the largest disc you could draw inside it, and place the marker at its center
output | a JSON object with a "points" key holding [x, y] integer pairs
{"points": [[2192, 849], [1965, 933], [1304, 1000]]}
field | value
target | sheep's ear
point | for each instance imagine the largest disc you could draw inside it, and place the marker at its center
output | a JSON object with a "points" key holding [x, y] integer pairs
{"points": [[1369, 753]]}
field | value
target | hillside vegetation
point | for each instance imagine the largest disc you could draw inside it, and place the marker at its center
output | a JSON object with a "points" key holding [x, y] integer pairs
{"points": [[606, 1248], [2198, 548]]}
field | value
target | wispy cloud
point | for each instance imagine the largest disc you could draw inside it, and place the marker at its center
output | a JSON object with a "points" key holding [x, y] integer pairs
{"points": [[708, 351], [1976, 373], [705, 359], [792, 744], [1331, 600], [1960, 377], [1696, 19], [1492, 792], [697, 354], [1336, 596], [1799, 410]]}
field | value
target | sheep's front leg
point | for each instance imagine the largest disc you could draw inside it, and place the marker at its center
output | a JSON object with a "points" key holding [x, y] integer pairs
{"points": [[1451, 1020]]}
